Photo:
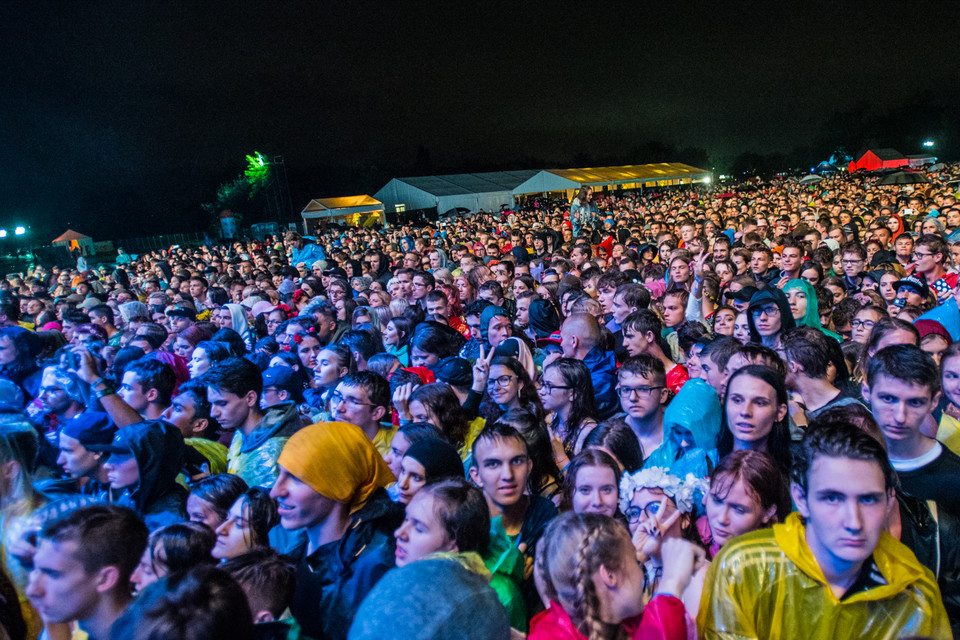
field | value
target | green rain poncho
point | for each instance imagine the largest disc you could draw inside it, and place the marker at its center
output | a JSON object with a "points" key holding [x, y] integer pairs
{"points": [[812, 317]]}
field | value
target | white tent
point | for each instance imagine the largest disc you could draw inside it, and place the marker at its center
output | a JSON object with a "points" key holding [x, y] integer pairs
{"points": [[354, 210]]}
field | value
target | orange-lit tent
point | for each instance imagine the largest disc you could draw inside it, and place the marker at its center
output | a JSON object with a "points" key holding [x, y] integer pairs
{"points": [[74, 240]]}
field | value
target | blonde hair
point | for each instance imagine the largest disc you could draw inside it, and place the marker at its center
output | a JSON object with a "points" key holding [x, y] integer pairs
{"points": [[573, 548]]}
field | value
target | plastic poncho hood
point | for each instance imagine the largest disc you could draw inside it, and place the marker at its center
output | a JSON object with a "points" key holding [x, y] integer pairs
{"points": [[812, 317]]}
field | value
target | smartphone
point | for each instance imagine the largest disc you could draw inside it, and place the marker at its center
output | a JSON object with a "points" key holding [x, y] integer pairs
{"points": [[899, 302]]}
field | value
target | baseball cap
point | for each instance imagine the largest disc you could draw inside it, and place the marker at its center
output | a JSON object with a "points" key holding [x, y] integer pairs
{"points": [[285, 379], [743, 295], [120, 445], [455, 371], [90, 428], [182, 312], [916, 283]]}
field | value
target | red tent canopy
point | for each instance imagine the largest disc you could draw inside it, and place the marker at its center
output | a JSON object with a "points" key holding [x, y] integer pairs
{"points": [[873, 159]]}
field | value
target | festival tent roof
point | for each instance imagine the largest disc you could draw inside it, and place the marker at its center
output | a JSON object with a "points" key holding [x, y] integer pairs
{"points": [[69, 235], [662, 173], [490, 191], [873, 159], [360, 210]]}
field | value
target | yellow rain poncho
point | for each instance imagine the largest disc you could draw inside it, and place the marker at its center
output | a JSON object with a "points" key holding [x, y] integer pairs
{"points": [[767, 585]]}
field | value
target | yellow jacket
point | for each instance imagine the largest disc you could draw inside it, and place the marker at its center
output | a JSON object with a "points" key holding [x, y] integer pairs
{"points": [[767, 585]]}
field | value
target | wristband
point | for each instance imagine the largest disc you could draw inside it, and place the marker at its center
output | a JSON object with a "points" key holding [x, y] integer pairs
{"points": [[106, 390], [98, 382]]}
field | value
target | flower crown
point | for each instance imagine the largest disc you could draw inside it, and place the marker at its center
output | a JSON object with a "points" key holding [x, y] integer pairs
{"points": [[681, 491]]}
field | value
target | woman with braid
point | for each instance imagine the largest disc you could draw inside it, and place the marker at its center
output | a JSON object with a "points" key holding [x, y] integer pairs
{"points": [[587, 569]]}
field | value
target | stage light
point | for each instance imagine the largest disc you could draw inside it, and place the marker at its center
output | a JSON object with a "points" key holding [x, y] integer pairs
{"points": [[928, 143], [19, 231], [3, 233]]}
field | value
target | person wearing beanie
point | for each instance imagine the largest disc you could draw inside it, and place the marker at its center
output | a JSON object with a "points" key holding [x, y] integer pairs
{"points": [[426, 461], [495, 326], [407, 605], [332, 485]]}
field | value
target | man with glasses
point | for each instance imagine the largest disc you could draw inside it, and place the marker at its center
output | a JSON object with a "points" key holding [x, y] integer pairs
{"points": [[768, 316], [363, 399], [60, 394], [853, 259], [930, 254], [642, 389]]}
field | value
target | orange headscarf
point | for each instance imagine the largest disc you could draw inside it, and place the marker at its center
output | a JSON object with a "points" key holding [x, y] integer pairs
{"points": [[338, 461]]}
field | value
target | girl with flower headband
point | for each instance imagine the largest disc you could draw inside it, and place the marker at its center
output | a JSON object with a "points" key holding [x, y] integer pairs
{"points": [[659, 506]]}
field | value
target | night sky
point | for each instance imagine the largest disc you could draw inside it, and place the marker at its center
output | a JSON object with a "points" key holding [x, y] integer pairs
{"points": [[129, 114]]}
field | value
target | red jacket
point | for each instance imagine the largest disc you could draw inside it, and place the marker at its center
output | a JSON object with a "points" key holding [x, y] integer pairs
{"points": [[663, 619]]}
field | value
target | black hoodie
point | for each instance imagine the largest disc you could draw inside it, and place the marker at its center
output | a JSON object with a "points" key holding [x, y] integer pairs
{"points": [[159, 451]]}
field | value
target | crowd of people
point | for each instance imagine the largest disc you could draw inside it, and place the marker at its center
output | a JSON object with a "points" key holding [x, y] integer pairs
{"points": [[662, 415]]}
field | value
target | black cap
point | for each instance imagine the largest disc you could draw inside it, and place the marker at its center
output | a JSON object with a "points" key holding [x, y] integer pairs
{"points": [[182, 312], [743, 295], [455, 371], [285, 379], [90, 428], [916, 283]]}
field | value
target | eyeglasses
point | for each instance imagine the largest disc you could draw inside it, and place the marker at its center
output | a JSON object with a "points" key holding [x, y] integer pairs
{"points": [[336, 398], [502, 381], [643, 391], [634, 514], [771, 310], [851, 262], [917, 254], [866, 324], [546, 387]]}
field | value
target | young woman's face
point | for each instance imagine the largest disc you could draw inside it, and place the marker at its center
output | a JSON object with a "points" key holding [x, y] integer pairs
{"points": [[421, 533], [503, 385], [951, 379], [182, 348], [234, 536], [733, 510], [150, 569], [811, 276], [411, 479], [199, 510], [645, 506], [596, 491], [398, 448], [724, 322], [326, 369], [390, 335], [555, 393], [199, 363], [741, 328], [308, 350], [752, 409]]}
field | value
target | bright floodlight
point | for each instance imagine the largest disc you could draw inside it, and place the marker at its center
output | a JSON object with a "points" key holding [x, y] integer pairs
{"points": [[928, 143], [3, 233], [707, 180], [20, 231]]}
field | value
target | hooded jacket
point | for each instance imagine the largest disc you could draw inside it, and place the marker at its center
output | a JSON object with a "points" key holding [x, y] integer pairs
{"points": [[762, 297], [695, 411], [334, 579], [254, 457], [767, 584], [664, 618], [812, 317], [159, 451], [603, 374]]}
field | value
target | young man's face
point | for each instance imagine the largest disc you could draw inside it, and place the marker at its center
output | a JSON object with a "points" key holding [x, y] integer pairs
{"points": [[900, 407], [182, 414], [60, 589], [619, 309], [790, 259], [673, 311], [606, 297], [640, 396], [439, 309], [845, 507], [502, 468], [229, 409], [77, 461], [354, 406], [133, 392], [122, 471], [297, 503], [759, 262], [713, 375]]}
